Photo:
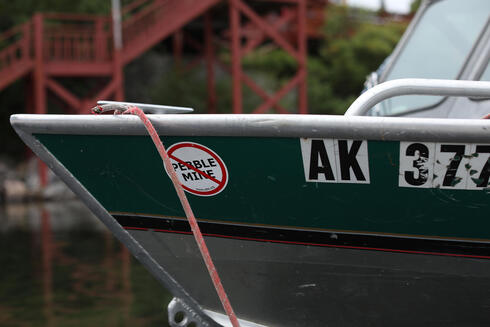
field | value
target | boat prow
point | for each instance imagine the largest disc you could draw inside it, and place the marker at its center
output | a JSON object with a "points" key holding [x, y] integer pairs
{"points": [[307, 217]]}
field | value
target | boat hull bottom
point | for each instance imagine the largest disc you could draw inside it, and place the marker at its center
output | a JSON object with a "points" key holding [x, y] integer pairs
{"points": [[296, 285]]}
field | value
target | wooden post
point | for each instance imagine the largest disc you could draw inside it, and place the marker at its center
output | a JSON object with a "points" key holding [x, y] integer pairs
{"points": [[236, 69], [39, 77]]}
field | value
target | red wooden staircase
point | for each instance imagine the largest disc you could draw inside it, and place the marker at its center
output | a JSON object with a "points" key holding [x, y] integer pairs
{"points": [[74, 45], [157, 21], [51, 46]]}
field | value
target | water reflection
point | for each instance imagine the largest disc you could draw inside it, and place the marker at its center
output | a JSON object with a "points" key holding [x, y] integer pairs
{"points": [[59, 266]]}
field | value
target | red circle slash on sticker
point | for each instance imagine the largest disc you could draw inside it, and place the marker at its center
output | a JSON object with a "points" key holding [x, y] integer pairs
{"points": [[199, 169]]}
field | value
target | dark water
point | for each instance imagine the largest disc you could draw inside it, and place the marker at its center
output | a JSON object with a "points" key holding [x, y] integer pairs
{"points": [[59, 266]]}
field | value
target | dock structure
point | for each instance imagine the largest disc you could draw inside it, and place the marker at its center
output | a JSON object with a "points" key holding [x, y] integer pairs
{"points": [[53, 46]]}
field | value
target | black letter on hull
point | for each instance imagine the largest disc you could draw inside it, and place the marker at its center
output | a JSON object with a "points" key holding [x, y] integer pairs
{"points": [[420, 163], [347, 158], [318, 151], [485, 172], [450, 176]]}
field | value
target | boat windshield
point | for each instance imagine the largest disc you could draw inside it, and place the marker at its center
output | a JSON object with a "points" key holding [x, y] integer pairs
{"points": [[437, 48]]}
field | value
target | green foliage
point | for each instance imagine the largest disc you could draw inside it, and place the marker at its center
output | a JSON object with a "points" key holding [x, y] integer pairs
{"points": [[270, 60], [350, 60], [339, 23], [352, 49], [415, 6], [321, 97], [178, 88]]}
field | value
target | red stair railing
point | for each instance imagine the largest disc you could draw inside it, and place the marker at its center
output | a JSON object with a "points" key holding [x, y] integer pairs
{"points": [[77, 38], [146, 22], [87, 39], [139, 16]]}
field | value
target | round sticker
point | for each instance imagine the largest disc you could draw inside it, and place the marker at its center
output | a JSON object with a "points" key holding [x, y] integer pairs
{"points": [[199, 169]]}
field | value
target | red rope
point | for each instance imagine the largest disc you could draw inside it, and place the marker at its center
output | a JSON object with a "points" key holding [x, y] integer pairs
{"points": [[188, 211]]}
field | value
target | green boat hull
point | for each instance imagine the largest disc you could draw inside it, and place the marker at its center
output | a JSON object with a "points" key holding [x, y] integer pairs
{"points": [[267, 188], [343, 224]]}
